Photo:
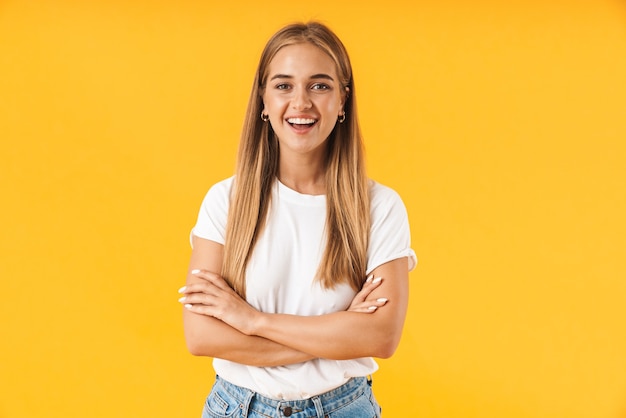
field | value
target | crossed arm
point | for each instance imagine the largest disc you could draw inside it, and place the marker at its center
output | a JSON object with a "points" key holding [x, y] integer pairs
{"points": [[218, 323]]}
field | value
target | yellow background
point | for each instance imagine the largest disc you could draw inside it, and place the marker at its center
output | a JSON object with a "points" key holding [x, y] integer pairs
{"points": [[501, 123]]}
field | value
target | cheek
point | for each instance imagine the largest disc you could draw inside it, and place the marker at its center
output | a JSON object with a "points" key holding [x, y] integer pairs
{"points": [[274, 104], [332, 106]]}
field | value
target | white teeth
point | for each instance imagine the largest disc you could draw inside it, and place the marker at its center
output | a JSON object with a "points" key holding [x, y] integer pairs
{"points": [[300, 121]]}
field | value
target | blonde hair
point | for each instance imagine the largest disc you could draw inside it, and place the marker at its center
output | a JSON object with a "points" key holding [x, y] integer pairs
{"points": [[347, 190]]}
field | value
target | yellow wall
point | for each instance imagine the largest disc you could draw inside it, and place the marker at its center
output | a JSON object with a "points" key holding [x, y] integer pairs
{"points": [[502, 125]]}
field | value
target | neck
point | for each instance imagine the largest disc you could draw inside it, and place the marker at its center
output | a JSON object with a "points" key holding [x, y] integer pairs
{"points": [[303, 174]]}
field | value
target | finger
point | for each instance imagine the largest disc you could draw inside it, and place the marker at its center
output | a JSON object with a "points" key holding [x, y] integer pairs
{"points": [[359, 297], [368, 287], [214, 278], [362, 294], [369, 309], [200, 309], [203, 287], [368, 305], [200, 299], [374, 283]]}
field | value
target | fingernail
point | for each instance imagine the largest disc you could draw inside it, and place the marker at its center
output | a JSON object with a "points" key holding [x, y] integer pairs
{"points": [[195, 271], [369, 278], [372, 308], [182, 289], [376, 280], [182, 299], [377, 300], [188, 306]]}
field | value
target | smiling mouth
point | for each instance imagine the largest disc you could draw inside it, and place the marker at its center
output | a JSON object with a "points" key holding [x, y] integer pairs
{"points": [[301, 122]]}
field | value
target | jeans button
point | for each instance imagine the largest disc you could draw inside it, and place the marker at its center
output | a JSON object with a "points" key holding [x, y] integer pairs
{"points": [[287, 411]]}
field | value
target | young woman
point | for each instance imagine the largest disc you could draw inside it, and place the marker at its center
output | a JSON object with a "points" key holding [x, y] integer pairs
{"points": [[299, 269]]}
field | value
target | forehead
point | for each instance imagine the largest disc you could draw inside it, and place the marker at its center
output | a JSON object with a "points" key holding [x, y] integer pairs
{"points": [[302, 59]]}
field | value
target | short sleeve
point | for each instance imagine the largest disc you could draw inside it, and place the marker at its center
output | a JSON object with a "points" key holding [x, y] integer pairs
{"points": [[213, 214], [390, 235]]}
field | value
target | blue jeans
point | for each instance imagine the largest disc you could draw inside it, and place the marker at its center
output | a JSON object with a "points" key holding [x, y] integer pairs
{"points": [[351, 400]]}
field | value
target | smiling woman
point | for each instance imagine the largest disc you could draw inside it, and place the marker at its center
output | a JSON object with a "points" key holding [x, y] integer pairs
{"points": [[299, 269]]}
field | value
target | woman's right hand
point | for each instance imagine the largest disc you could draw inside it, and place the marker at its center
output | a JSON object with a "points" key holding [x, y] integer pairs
{"points": [[360, 303]]}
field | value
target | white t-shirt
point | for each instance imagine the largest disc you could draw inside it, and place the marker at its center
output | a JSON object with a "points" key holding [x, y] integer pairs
{"points": [[280, 278]]}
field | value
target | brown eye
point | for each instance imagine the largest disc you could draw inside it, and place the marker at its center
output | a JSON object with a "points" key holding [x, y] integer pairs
{"points": [[320, 86]]}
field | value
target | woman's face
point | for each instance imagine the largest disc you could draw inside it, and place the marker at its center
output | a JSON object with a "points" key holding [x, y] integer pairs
{"points": [[303, 98]]}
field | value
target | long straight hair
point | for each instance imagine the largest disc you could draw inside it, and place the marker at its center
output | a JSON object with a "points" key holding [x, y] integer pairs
{"points": [[347, 190]]}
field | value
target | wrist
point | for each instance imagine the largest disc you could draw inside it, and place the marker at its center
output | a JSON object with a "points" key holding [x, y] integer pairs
{"points": [[256, 323]]}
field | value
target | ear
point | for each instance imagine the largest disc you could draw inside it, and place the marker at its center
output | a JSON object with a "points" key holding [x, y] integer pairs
{"points": [[343, 99]]}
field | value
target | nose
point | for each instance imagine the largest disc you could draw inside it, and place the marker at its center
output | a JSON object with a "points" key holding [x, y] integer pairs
{"points": [[301, 99]]}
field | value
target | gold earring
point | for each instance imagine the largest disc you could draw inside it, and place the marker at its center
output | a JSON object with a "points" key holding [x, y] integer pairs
{"points": [[264, 117], [342, 117]]}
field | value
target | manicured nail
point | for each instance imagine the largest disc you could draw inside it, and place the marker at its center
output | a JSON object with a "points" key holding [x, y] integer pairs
{"points": [[376, 280], [369, 278], [195, 271], [188, 306], [372, 308], [383, 300], [182, 289], [181, 300]]}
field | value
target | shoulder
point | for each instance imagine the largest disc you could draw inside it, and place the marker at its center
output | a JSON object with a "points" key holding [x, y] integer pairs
{"points": [[386, 205], [213, 214], [217, 199], [220, 191], [390, 235], [223, 186], [383, 196]]}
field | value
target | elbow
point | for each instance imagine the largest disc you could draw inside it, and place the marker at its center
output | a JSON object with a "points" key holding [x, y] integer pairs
{"points": [[195, 349], [198, 337], [196, 345], [386, 349], [388, 341]]}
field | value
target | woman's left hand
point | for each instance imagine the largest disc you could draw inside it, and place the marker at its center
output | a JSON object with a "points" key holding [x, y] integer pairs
{"points": [[214, 297], [361, 303]]}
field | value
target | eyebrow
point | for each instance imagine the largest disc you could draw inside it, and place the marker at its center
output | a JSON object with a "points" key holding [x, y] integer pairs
{"points": [[314, 76]]}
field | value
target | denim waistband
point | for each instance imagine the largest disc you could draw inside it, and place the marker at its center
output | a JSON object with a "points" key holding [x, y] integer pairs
{"points": [[329, 401]]}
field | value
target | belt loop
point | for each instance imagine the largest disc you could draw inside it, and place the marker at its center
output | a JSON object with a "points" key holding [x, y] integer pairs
{"points": [[245, 406], [319, 409]]}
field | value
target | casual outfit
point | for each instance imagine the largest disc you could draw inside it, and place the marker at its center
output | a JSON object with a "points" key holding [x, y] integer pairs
{"points": [[280, 279]]}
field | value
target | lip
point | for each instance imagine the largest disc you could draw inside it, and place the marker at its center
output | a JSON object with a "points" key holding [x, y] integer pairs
{"points": [[301, 129], [301, 116]]}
